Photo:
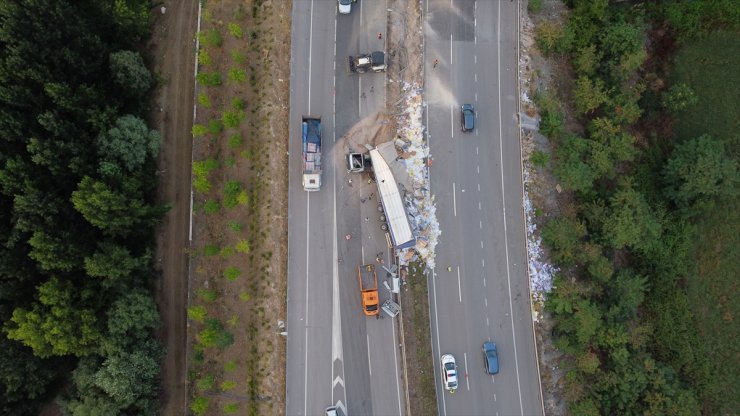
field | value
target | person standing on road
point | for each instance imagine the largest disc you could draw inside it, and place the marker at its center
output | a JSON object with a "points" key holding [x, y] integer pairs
{"points": [[436, 62]]}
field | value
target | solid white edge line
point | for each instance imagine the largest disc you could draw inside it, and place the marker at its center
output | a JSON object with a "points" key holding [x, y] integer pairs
{"points": [[432, 276], [393, 322], [192, 193], [503, 206], [439, 351], [308, 201], [467, 379], [305, 359], [395, 359]]}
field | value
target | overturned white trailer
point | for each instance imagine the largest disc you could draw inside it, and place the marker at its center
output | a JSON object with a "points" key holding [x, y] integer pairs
{"points": [[392, 202]]}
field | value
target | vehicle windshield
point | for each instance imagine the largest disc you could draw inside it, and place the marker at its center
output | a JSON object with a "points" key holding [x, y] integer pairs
{"points": [[344, 2]]}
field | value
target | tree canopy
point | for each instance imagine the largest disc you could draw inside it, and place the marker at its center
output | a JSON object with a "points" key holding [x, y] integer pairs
{"points": [[76, 217]]}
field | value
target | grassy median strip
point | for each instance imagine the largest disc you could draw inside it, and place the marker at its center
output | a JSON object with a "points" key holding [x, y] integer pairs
{"points": [[419, 358]]}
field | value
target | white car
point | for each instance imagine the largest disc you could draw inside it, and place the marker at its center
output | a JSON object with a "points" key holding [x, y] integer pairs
{"points": [[449, 372], [345, 6]]}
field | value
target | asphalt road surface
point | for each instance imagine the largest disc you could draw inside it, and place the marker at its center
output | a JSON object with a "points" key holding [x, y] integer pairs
{"points": [[336, 355], [476, 178]]}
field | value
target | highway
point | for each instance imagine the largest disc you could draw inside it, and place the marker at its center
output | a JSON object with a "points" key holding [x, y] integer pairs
{"points": [[478, 186], [335, 355]]}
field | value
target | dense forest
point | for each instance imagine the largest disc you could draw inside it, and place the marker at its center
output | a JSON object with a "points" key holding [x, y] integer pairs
{"points": [[77, 177], [645, 138]]}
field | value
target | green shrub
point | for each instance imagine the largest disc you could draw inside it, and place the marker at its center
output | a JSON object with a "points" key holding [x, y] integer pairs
{"points": [[244, 296], [214, 334], [231, 408], [209, 79], [211, 250], [551, 124], [232, 273], [206, 382], [227, 385], [202, 184], [563, 236], [199, 406], [238, 75], [678, 98], [230, 365], [235, 226], [201, 169], [238, 57], [235, 30], [226, 252], [539, 158], [547, 35], [211, 37], [534, 6], [235, 141], [589, 94], [207, 295], [243, 246], [199, 130], [204, 167], [230, 162], [197, 313], [238, 104], [232, 190], [242, 198], [247, 154], [204, 58], [211, 207], [203, 100], [215, 127], [239, 13], [232, 119]]}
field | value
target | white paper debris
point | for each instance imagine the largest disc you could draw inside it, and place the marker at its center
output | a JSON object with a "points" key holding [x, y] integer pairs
{"points": [[541, 271], [419, 203]]}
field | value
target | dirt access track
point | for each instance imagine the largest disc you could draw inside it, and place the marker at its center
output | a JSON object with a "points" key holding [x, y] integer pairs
{"points": [[171, 53]]}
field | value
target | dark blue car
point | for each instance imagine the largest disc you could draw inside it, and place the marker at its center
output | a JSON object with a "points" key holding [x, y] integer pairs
{"points": [[467, 117], [490, 357]]}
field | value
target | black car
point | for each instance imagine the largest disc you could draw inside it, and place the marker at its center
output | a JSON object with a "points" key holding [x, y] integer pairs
{"points": [[467, 117]]}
